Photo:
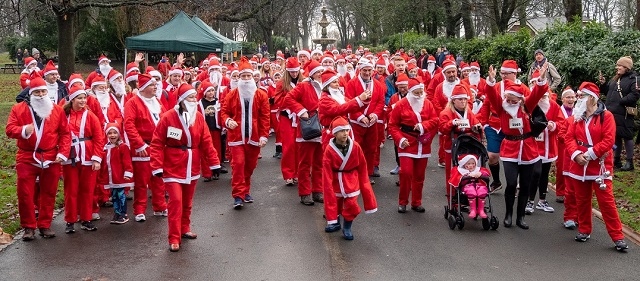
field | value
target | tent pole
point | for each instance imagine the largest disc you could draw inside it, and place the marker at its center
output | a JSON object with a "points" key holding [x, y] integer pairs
{"points": [[125, 61], [146, 60]]}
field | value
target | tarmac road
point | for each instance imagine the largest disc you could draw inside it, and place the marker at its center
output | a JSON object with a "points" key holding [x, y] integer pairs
{"points": [[277, 238]]}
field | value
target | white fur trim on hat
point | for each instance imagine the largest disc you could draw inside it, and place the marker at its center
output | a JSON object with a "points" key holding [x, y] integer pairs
{"points": [[98, 82], [296, 69], [362, 63], [316, 51], [176, 71], [155, 73], [75, 80], [106, 130], [453, 65], [508, 69], [186, 94], [340, 128], [402, 83], [132, 70], [131, 78], [513, 93], [50, 72], [149, 83], [303, 52], [113, 78], [459, 96], [567, 91], [103, 59], [37, 88], [589, 92], [466, 159], [419, 86], [315, 70], [76, 93], [326, 83]]}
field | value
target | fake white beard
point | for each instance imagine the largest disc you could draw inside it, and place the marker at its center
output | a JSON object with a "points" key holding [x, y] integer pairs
{"points": [[42, 106], [447, 87], [103, 98], [337, 95], [352, 73], [474, 78], [342, 70], [119, 88], [215, 77], [431, 67], [159, 90], [416, 102], [511, 109], [52, 89], [247, 88], [544, 104], [580, 109], [105, 69], [152, 104], [191, 108], [234, 84]]}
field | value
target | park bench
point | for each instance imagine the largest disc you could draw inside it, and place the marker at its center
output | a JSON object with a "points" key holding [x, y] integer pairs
{"points": [[11, 66]]}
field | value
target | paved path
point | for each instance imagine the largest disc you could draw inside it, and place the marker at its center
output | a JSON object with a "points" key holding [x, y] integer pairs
{"points": [[277, 238]]}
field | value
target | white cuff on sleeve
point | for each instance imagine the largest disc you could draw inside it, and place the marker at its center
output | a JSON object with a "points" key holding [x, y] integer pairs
{"points": [[214, 167], [541, 82], [128, 174], [303, 111], [24, 132], [400, 143], [142, 148], [361, 117], [591, 153], [96, 158], [64, 158], [574, 154], [490, 83], [155, 172], [360, 103]]}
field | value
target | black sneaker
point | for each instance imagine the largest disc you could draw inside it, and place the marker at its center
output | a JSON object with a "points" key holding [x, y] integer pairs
{"points": [[582, 237], [495, 186], [248, 199], [621, 246], [88, 226], [69, 229], [237, 203]]}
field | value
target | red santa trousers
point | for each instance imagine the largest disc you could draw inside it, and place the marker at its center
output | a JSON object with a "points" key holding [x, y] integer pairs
{"points": [[46, 199], [142, 179], [244, 161], [179, 208], [347, 207], [274, 125], [289, 161], [381, 139], [412, 174], [100, 196], [309, 168], [441, 152], [79, 184], [217, 144], [606, 203], [570, 211], [560, 180], [367, 138]]}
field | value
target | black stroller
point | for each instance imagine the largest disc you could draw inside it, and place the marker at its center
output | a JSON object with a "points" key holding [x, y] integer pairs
{"points": [[467, 144]]}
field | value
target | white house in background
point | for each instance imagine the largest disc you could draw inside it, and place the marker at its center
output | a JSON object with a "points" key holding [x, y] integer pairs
{"points": [[539, 24]]}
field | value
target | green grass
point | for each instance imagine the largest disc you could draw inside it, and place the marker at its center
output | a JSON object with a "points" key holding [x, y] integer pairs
{"points": [[4, 58]]}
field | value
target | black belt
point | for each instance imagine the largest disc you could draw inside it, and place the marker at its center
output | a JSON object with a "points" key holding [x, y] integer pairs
{"points": [[147, 142], [78, 140], [409, 130], [183, 147], [580, 143], [517, 137]]}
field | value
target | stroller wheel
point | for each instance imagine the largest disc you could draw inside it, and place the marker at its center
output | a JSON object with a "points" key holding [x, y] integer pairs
{"points": [[486, 224], [494, 223], [452, 222], [460, 221], [446, 212]]}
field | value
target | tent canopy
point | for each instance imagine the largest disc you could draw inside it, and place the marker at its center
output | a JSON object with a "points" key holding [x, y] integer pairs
{"points": [[182, 34]]}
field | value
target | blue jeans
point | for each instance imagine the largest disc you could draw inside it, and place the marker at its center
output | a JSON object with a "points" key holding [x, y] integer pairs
{"points": [[119, 201]]}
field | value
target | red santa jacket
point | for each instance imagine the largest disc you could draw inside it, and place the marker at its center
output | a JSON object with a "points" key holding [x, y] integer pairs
{"points": [[303, 98], [441, 96], [47, 142], [112, 113], [139, 124], [93, 105], [345, 176], [481, 87], [25, 78], [354, 88], [520, 151], [87, 137], [279, 97], [562, 141], [233, 109], [401, 122], [449, 132], [330, 108], [437, 78], [117, 165], [177, 148], [548, 140], [488, 115], [596, 137], [271, 92], [456, 175]]}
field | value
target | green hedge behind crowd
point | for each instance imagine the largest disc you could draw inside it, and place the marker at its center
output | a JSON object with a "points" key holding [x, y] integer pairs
{"points": [[579, 51]]}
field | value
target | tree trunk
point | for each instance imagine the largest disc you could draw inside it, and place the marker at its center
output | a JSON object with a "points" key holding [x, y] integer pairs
{"points": [[573, 9], [452, 20], [66, 50], [357, 30], [637, 18], [268, 38], [522, 13], [467, 22]]}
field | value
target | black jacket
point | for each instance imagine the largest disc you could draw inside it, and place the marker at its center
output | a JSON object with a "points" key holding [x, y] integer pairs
{"points": [[616, 103], [62, 93]]}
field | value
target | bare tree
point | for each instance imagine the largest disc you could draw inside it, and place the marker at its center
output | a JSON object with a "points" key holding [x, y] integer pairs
{"points": [[572, 9]]}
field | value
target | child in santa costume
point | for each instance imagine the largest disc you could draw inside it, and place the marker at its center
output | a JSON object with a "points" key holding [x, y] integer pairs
{"points": [[474, 180], [345, 176], [117, 172]]}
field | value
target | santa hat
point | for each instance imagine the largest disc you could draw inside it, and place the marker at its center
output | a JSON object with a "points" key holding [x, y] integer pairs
{"points": [[464, 159], [338, 124], [205, 87], [29, 61], [292, 64], [411, 66], [50, 68], [75, 78], [348, 46], [327, 58], [280, 57], [464, 66], [233, 70], [316, 51], [475, 65], [37, 84], [112, 126], [75, 91], [460, 91], [402, 79], [113, 75], [145, 80], [415, 84], [245, 66], [381, 63], [98, 80], [340, 58], [412, 60], [535, 76], [474, 90], [335, 51], [103, 58], [364, 62], [513, 88], [153, 72], [277, 73], [447, 64], [184, 90], [567, 91], [510, 66], [589, 89], [328, 76], [304, 53], [212, 57], [132, 66], [431, 59], [176, 70], [213, 65], [131, 77], [312, 67]]}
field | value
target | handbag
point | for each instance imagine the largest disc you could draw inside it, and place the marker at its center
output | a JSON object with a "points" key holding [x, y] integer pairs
{"points": [[310, 127], [631, 110], [537, 121]]}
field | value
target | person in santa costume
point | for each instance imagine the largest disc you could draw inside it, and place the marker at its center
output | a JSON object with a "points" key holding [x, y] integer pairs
{"points": [[141, 116], [179, 143], [402, 83], [30, 69], [169, 87], [271, 92], [245, 113], [209, 107], [474, 79], [566, 109], [80, 170], [333, 103], [366, 131], [519, 151], [103, 70], [430, 70], [473, 179], [548, 150], [590, 139], [412, 124], [456, 119], [38, 156], [303, 101], [344, 177], [303, 57], [119, 96], [117, 172], [380, 74], [287, 122]]}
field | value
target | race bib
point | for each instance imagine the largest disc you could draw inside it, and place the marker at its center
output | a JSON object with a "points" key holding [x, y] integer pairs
{"points": [[174, 133], [540, 137], [464, 124], [515, 123]]}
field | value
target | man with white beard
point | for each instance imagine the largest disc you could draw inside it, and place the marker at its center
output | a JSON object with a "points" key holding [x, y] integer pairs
{"points": [[103, 69], [474, 79], [118, 91], [43, 141], [341, 67], [245, 114]]}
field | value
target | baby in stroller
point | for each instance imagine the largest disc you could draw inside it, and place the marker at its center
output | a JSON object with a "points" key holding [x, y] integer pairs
{"points": [[473, 181]]}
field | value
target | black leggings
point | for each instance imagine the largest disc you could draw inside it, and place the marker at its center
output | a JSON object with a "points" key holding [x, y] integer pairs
{"points": [[395, 149], [523, 174], [542, 183], [628, 147]]}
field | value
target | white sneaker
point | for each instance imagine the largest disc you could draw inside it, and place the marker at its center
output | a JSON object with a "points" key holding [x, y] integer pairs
{"points": [[529, 209], [544, 206], [161, 214], [95, 216], [140, 218], [395, 171]]}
